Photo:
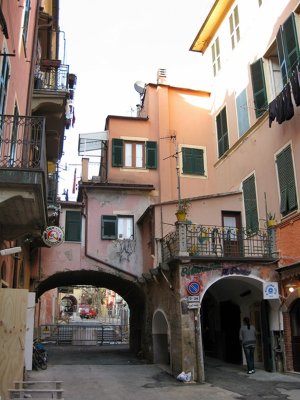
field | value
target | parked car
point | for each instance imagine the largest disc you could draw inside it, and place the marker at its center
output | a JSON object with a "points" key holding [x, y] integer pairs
{"points": [[87, 312]]}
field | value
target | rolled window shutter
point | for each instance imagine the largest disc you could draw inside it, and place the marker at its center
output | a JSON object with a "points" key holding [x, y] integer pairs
{"points": [[259, 88]]}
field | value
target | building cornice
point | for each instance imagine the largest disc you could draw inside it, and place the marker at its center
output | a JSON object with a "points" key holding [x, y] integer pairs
{"points": [[211, 24]]}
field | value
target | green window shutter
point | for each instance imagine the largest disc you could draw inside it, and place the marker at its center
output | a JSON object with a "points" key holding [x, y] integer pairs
{"points": [[242, 112], [117, 152], [222, 132], [192, 161], [73, 226], [259, 87], [250, 204], [151, 155], [109, 227], [281, 57], [288, 195], [290, 40]]}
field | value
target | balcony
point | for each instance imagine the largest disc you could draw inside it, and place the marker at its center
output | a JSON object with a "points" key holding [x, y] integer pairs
{"points": [[52, 76], [23, 180], [52, 99], [216, 242]]}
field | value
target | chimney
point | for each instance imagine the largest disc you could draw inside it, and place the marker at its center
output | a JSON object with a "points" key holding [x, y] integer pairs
{"points": [[85, 169], [138, 110], [162, 76]]}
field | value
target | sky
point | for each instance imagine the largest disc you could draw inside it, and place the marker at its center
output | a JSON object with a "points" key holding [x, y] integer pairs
{"points": [[112, 44]]}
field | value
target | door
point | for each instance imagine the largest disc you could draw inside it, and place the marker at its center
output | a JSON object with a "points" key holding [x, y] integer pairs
{"points": [[266, 336], [295, 327], [230, 326], [232, 234]]}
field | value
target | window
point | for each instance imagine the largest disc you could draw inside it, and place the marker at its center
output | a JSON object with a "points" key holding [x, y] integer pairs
{"points": [[134, 154], [14, 137], [250, 204], [216, 60], [242, 112], [234, 27], [259, 88], [286, 177], [287, 47], [117, 227], [26, 20], [73, 226], [192, 161], [222, 132], [4, 76]]}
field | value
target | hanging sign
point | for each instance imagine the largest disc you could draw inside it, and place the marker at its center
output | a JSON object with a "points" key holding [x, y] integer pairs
{"points": [[271, 290], [53, 236]]}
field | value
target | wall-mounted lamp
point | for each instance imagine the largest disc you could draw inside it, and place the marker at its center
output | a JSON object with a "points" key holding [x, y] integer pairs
{"points": [[12, 250], [290, 287]]}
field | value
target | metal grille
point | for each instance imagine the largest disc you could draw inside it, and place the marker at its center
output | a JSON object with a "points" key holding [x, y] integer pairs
{"points": [[87, 334], [215, 241], [22, 142], [52, 78]]}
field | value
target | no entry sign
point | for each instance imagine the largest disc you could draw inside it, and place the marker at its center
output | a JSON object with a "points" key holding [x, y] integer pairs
{"points": [[193, 288]]}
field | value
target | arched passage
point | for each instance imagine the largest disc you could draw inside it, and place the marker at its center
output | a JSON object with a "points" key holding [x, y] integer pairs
{"points": [[127, 289], [224, 304], [160, 334]]}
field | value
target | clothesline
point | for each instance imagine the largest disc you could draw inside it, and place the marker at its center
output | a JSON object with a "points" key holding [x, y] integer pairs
{"points": [[282, 108]]}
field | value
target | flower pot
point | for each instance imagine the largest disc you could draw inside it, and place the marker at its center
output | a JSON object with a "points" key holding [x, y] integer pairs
{"points": [[181, 216], [271, 223]]}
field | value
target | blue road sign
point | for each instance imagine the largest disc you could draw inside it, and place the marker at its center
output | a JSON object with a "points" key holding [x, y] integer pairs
{"points": [[193, 288]]}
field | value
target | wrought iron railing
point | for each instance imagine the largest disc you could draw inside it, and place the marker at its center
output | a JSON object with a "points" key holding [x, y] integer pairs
{"points": [[85, 334], [52, 187], [52, 78], [216, 241], [22, 142]]}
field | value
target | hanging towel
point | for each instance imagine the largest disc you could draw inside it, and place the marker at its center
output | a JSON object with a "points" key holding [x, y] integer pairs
{"points": [[272, 111], [295, 87], [288, 104], [280, 116]]}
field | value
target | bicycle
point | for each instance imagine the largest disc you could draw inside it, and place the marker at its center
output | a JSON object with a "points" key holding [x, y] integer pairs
{"points": [[39, 356]]}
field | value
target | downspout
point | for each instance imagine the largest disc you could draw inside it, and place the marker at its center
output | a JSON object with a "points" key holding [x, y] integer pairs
{"points": [[86, 245]]}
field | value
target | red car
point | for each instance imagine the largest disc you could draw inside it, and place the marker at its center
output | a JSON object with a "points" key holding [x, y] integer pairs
{"points": [[87, 312]]}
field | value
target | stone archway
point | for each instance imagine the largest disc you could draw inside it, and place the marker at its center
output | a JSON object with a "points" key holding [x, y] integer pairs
{"points": [[128, 289], [160, 334]]}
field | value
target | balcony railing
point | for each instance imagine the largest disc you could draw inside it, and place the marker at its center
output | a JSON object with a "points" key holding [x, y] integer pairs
{"points": [[217, 242], [22, 142], [52, 78]]}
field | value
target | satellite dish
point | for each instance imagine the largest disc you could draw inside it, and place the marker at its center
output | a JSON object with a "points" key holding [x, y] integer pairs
{"points": [[140, 87]]}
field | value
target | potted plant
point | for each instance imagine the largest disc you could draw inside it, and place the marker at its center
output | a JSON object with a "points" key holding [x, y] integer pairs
{"points": [[271, 220], [183, 209]]}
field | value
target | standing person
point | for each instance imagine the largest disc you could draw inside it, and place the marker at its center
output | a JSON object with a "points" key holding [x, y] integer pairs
{"points": [[248, 340]]}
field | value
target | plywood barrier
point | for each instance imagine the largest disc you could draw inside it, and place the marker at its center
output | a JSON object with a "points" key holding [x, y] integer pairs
{"points": [[13, 313]]}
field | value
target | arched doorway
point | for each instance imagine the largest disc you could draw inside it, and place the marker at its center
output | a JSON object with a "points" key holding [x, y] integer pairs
{"points": [[160, 334], [224, 304]]}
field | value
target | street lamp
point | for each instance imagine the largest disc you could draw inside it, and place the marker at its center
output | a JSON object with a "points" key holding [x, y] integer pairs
{"points": [[12, 250]]}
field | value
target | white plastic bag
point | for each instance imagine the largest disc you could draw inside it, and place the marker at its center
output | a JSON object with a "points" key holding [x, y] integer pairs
{"points": [[184, 377]]}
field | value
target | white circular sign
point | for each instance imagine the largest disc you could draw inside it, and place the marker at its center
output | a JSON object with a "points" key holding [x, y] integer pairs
{"points": [[53, 236]]}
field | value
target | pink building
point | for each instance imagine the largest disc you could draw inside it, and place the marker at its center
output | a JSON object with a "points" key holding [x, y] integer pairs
{"points": [[238, 168]]}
